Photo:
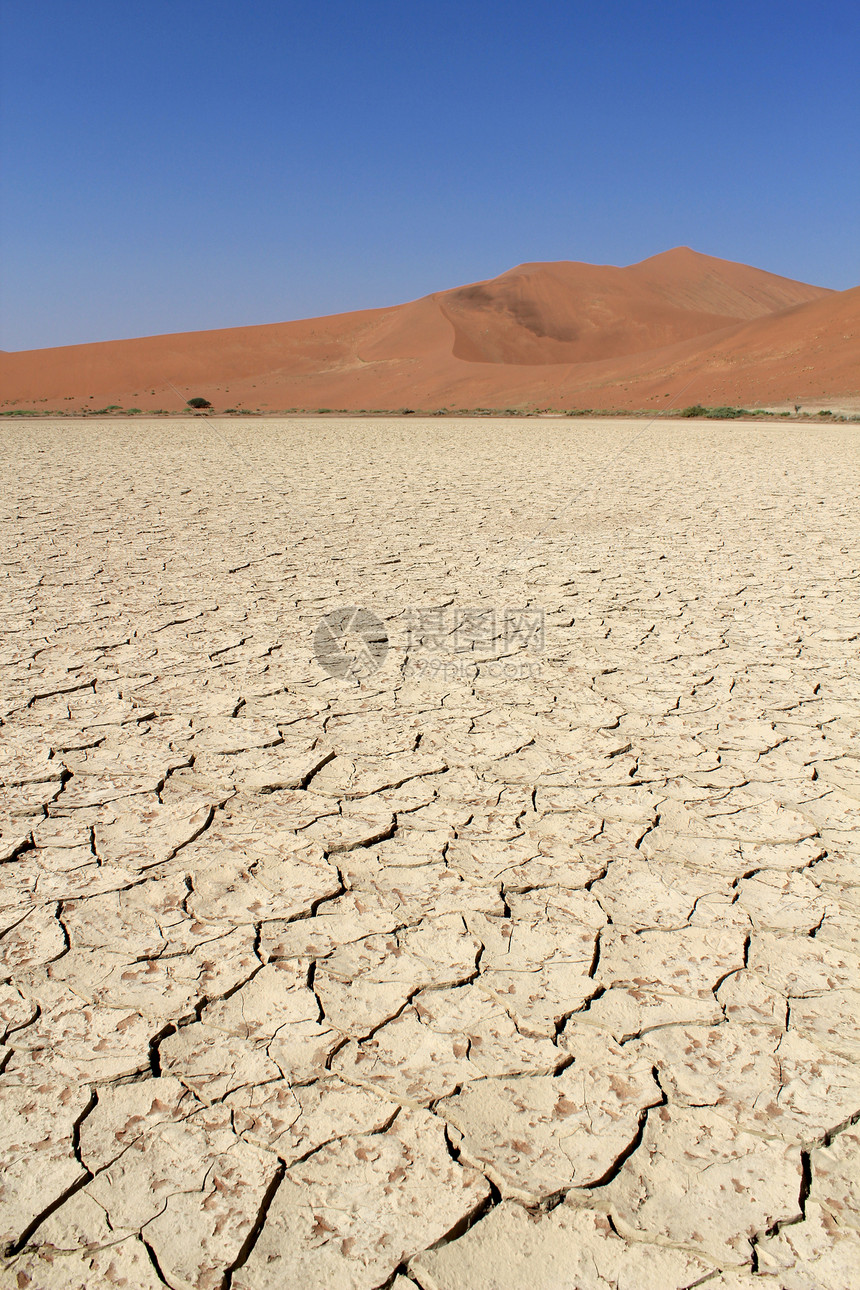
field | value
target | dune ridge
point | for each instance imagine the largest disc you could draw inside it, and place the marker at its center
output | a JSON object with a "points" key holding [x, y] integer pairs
{"points": [[546, 334]]}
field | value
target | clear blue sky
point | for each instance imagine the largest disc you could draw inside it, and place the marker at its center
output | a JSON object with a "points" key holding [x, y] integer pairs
{"points": [[181, 164]]}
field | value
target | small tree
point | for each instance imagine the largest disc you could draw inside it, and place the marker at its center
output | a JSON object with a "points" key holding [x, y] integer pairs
{"points": [[198, 403]]}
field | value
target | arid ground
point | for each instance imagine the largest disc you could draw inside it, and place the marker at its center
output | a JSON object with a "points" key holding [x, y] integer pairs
{"points": [[523, 952]]}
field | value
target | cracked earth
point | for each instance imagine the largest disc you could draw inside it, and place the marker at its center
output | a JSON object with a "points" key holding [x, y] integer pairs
{"points": [[461, 979]]}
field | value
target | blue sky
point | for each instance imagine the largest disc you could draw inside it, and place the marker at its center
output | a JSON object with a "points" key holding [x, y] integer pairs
{"points": [[174, 165]]}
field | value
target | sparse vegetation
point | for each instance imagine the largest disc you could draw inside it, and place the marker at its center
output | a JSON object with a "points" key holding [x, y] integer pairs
{"points": [[726, 413], [198, 405]]}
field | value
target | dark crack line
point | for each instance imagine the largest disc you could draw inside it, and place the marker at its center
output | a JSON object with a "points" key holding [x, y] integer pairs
{"points": [[155, 1045], [259, 1223], [620, 1160], [15, 1247], [153, 1258]]}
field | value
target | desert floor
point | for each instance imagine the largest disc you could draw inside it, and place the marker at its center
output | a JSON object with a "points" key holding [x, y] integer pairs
{"points": [[528, 958]]}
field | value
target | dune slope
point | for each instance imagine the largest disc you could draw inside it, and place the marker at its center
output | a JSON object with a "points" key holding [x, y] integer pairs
{"points": [[558, 334]]}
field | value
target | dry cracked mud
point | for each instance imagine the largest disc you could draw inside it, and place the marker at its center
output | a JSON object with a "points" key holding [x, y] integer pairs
{"points": [[527, 952]]}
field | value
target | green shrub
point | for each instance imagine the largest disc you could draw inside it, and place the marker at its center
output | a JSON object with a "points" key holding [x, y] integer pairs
{"points": [[198, 403], [694, 410], [727, 413]]}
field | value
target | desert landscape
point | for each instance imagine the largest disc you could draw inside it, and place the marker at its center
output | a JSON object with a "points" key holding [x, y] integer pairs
{"points": [[679, 328], [429, 646], [502, 933]]}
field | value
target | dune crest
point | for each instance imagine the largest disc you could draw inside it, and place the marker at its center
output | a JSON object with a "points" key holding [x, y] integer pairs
{"points": [[547, 334]]}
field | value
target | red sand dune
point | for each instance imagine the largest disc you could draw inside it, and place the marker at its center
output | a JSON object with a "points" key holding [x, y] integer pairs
{"points": [[547, 335]]}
